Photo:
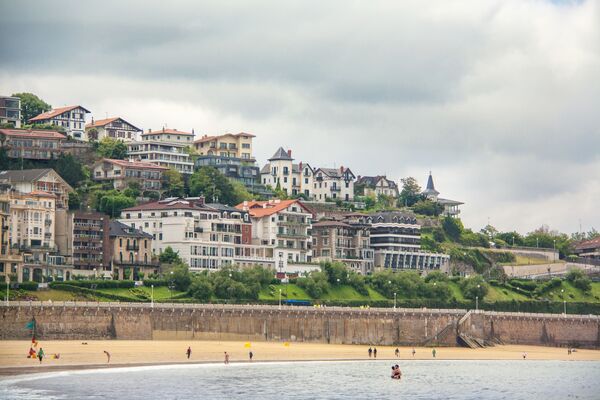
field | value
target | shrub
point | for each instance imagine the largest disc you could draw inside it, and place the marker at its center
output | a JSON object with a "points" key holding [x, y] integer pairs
{"points": [[31, 286], [579, 279], [99, 284]]}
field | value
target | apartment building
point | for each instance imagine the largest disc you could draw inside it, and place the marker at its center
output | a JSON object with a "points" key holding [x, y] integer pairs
{"points": [[167, 147], [377, 185], [44, 180], [121, 173], [83, 238], [451, 207], [206, 236], [130, 252], [31, 144], [11, 261], [230, 145], [285, 226], [333, 184], [114, 128], [396, 238], [346, 241], [10, 111], [232, 155], [71, 118]]}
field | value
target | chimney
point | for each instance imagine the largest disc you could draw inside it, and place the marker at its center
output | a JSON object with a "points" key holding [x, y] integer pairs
{"points": [[149, 130], [300, 166], [342, 169], [163, 128], [201, 200], [290, 153], [92, 120]]}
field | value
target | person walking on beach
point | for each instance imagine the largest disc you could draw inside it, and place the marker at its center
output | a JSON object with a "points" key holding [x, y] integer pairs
{"points": [[397, 352], [226, 358], [370, 352], [189, 352], [107, 356], [375, 352], [40, 354], [413, 352], [524, 356], [250, 355], [433, 352]]}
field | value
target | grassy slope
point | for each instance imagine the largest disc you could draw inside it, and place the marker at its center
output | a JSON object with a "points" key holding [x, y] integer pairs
{"points": [[293, 292], [160, 292]]}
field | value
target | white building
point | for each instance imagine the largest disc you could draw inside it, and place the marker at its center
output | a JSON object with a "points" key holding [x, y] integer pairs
{"points": [[451, 207], [284, 225], [333, 184], [114, 128], [167, 148], [378, 185], [71, 118], [319, 184], [206, 236]]}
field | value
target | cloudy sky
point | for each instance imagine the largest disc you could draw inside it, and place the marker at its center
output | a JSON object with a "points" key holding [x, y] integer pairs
{"points": [[500, 99]]}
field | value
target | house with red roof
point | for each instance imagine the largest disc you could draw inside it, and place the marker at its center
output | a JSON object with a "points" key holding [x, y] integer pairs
{"points": [[114, 128], [285, 226], [71, 118], [30, 144], [589, 249], [122, 172]]}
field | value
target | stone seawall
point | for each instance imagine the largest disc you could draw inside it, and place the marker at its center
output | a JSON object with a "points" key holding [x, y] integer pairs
{"points": [[90, 321]]}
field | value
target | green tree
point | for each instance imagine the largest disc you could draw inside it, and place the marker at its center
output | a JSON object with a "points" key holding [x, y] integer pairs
{"points": [[70, 169], [172, 183], [428, 207], [74, 201], [411, 192], [31, 106], [169, 256], [113, 202], [180, 277], [201, 287], [213, 185], [112, 148], [453, 228], [240, 193], [474, 286], [579, 279]]}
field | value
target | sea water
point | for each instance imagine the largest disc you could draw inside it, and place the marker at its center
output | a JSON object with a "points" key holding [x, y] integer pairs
{"points": [[435, 379]]}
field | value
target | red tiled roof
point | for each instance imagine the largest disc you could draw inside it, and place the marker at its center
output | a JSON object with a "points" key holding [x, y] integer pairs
{"points": [[54, 112], [211, 138], [101, 122], [589, 244], [40, 133], [133, 164], [104, 122], [164, 130], [261, 209]]}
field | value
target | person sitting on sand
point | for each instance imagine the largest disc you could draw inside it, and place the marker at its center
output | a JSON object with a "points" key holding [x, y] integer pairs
{"points": [[32, 353], [396, 373], [107, 356]]}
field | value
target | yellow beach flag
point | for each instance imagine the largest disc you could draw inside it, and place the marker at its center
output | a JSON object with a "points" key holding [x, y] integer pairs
{"points": [[247, 345], [286, 344]]}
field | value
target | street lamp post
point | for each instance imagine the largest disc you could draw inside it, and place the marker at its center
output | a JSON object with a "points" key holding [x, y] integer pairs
{"points": [[171, 287], [280, 298], [562, 291], [477, 298], [7, 291], [152, 296], [394, 300]]}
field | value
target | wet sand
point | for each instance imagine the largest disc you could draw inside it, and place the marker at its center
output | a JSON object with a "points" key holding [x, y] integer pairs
{"points": [[77, 355]]}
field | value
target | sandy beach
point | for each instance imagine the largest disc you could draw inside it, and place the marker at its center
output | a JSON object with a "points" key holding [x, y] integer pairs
{"points": [[90, 354]]}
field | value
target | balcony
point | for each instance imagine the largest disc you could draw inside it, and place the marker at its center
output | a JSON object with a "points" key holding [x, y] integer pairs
{"points": [[127, 263], [47, 222], [132, 247], [335, 189]]}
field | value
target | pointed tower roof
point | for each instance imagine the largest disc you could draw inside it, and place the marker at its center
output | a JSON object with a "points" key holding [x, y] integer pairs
{"points": [[281, 154], [430, 186]]}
